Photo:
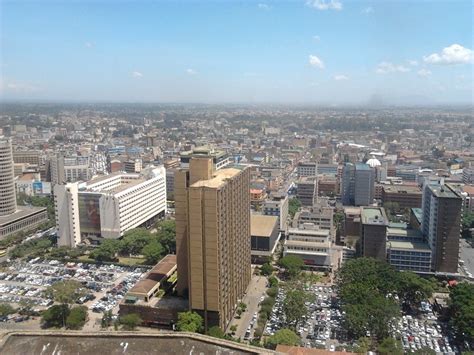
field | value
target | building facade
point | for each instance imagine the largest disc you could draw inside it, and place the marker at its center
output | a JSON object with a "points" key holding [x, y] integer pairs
{"points": [[213, 237], [373, 232]]}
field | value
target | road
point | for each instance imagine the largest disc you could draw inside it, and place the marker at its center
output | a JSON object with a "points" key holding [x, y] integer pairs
{"points": [[467, 254], [256, 289]]}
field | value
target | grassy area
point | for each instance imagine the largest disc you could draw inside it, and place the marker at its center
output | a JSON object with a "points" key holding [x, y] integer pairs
{"points": [[131, 261]]}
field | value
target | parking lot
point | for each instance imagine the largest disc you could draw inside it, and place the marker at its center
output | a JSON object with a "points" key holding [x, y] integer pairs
{"points": [[106, 284]]}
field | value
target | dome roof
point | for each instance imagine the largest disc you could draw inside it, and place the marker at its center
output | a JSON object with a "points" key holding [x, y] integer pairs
{"points": [[373, 162]]}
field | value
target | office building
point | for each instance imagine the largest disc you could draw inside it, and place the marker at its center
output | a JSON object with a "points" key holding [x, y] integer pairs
{"points": [[68, 169], [213, 237], [468, 175], [441, 226], [373, 232], [307, 190], [358, 184], [310, 243], [306, 169], [277, 205], [133, 166], [13, 218], [220, 158], [32, 157], [108, 206], [405, 196], [265, 234], [409, 256]]}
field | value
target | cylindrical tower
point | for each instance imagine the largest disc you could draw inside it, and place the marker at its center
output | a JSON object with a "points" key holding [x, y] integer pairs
{"points": [[7, 183]]}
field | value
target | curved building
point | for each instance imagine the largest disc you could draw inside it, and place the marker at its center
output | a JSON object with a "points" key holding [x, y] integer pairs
{"points": [[7, 184]]}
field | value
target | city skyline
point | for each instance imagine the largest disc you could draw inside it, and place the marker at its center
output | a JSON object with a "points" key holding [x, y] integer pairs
{"points": [[312, 52]]}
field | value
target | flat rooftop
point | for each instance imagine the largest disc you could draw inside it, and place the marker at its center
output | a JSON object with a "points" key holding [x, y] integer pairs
{"points": [[402, 189], [219, 178], [403, 232], [374, 215], [408, 245], [21, 213], [262, 226], [443, 191]]}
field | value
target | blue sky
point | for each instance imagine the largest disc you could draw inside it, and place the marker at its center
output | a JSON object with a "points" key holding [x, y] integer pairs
{"points": [[315, 51]]}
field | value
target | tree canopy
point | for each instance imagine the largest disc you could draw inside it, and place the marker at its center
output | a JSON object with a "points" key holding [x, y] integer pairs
{"points": [[190, 322], [461, 311], [130, 321], [292, 264], [293, 206], [283, 337]]}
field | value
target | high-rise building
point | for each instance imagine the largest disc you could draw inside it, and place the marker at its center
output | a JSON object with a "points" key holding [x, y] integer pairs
{"points": [[358, 184], [213, 237], [307, 190], [108, 206], [373, 232], [441, 225], [7, 184]]}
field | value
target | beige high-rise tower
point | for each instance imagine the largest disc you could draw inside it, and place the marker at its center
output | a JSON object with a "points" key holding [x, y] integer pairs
{"points": [[7, 182], [213, 238]]}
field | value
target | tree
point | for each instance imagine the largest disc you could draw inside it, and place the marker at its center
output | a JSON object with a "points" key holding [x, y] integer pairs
{"points": [[292, 264], [216, 332], [467, 224], [294, 305], [66, 293], [283, 337], [190, 322], [273, 281], [363, 345], [266, 269], [413, 289], [134, 241], [272, 292], [152, 252], [233, 328], [461, 311], [106, 319], [6, 309], [390, 346], [293, 206], [106, 251], [425, 350], [167, 235], [130, 321], [77, 318], [55, 316]]}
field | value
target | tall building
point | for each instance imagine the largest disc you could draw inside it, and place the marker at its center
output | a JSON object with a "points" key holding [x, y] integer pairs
{"points": [[108, 206], [358, 184], [213, 237], [373, 232], [277, 205], [7, 184], [441, 225], [13, 218], [307, 190]]}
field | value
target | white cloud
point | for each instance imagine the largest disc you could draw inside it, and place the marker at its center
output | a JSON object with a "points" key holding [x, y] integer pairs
{"points": [[454, 54], [191, 71], [413, 63], [89, 44], [137, 74], [325, 4], [387, 67], [424, 72], [368, 10], [18, 87], [264, 6], [340, 77], [315, 62], [317, 38]]}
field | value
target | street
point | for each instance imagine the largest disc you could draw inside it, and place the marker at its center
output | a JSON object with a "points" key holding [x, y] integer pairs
{"points": [[467, 255]]}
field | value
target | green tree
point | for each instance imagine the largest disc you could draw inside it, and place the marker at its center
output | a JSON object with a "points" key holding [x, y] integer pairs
{"points": [[467, 224], [216, 332], [134, 241], [363, 345], [167, 235], [233, 328], [292, 264], [425, 350], [283, 337], [390, 346], [272, 292], [6, 309], [413, 288], [153, 252], [461, 311], [55, 316], [294, 305], [106, 251], [65, 293], [266, 269], [130, 321], [190, 322], [273, 281], [77, 318], [107, 318], [293, 206]]}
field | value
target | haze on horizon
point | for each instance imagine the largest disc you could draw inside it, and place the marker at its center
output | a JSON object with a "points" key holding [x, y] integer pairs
{"points": [[294, 52]]}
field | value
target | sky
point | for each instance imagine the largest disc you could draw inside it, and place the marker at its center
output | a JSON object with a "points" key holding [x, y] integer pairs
{"points": [[299, 51]]}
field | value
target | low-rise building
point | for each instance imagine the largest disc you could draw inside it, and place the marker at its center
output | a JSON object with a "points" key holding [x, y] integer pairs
{"points": [[265, 234], [406, 196]]}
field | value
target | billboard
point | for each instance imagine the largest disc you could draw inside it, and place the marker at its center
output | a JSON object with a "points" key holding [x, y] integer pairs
{"points": [[89, 213]]}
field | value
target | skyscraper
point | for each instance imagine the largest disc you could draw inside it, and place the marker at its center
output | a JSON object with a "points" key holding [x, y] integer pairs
{"points": [[7, 184], [441, 225], [358, 183], [213, 238]]}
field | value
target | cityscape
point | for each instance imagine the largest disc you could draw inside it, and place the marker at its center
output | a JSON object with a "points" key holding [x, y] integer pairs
{"points": [[231, 216]]}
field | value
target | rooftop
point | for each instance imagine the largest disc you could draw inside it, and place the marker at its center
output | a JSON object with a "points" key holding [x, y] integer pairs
{"points": [[362, 166], [262, 226], [443, 191], [21, 213], [374, 216], [402, 189], [219, 178], [408, 245]]}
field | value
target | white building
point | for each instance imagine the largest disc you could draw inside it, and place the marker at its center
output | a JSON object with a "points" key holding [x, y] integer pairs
{"points": [[312, 244], [108, 206]]}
